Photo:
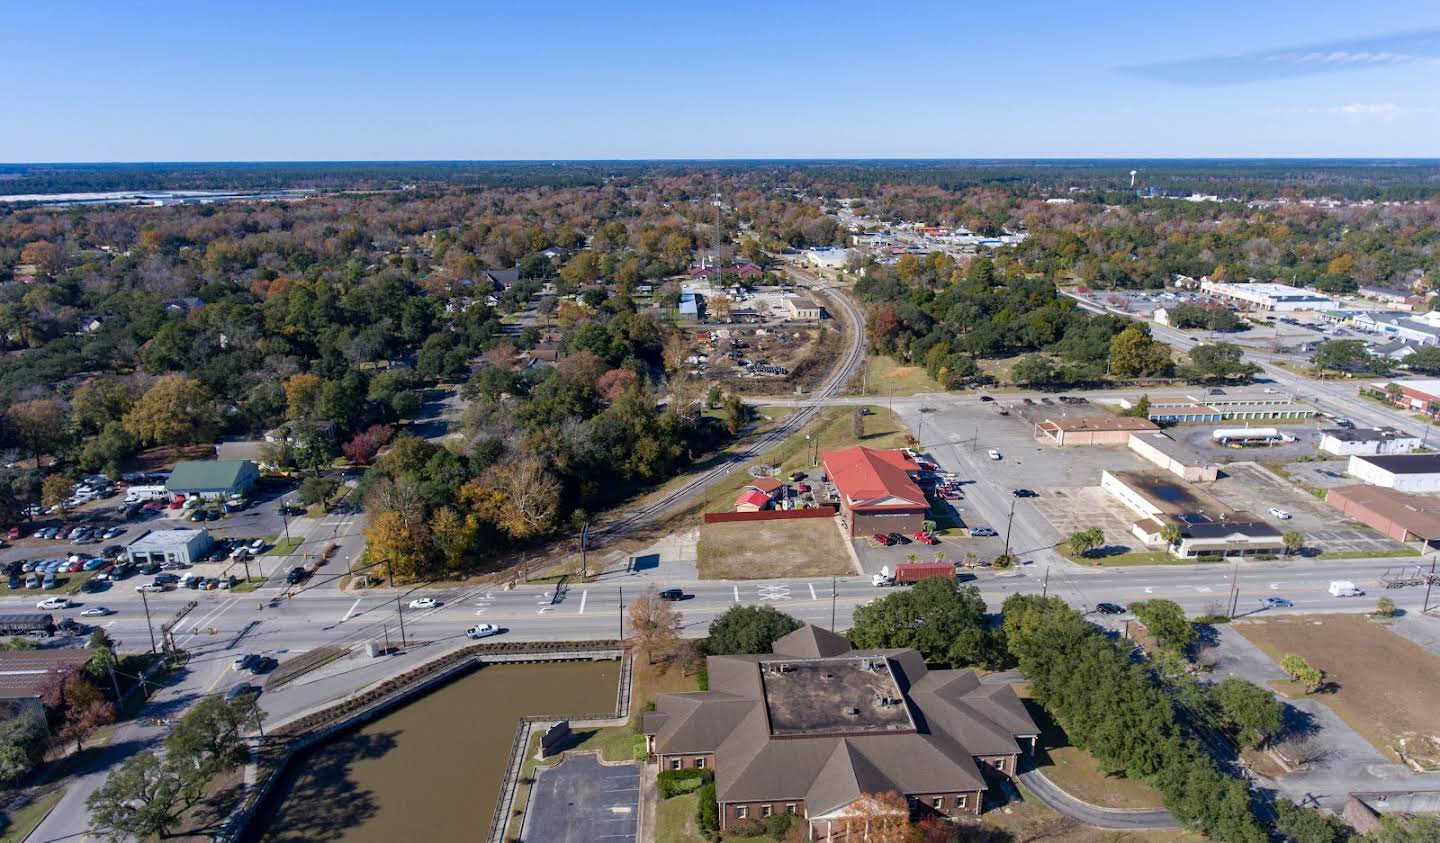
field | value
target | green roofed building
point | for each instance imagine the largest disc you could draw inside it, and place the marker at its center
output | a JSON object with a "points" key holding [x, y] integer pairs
{"points": [[212, 478]]}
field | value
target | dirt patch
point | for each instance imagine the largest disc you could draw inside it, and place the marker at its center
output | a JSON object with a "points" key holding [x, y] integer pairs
{"points": [[767, 549], [1384, 686]]}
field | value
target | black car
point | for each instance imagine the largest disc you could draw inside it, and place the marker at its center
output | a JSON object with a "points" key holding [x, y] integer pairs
{"points": [[295, 575], [16, 566], [166, 578], [672, 594], [16, 581], [150, 568], [212, 515], [112, 551], [899, 538], [1023, 493], [92, 584], [986, 398], [1109, 609], [286, 509], [241, 690]]}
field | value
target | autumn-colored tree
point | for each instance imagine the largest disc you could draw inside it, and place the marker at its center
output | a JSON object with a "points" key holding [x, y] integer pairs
{"points": [[39, 425], [47, 257], [75, 706], [674, 352], [613, 383], [581, 367], [363, 447], [175, 411], [528, 501], [453, 535], [302, 392], [501, 354], [399, 546], [55, 489], [878, 818], [654, 624]]}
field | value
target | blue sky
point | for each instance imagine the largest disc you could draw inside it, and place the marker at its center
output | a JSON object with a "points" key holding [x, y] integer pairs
{"points": [[145, 80]]}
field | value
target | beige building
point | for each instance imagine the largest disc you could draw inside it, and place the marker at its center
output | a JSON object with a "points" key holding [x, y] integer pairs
{"points": [[1091, 430], [1178, 459]]}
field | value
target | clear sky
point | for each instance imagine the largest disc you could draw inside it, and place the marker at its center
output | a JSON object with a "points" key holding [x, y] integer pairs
{"points": [[205, 80]]}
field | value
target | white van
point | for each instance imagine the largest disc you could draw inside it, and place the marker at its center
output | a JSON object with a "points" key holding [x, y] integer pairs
{"points": [[141, 494], [1344, 588]]}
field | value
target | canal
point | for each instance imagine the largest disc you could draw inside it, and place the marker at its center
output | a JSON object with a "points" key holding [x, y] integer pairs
{"points": [[430, 770]]}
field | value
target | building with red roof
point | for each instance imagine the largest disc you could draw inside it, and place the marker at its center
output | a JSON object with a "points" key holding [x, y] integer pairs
{"points": [[877, 493], [752, 501]]}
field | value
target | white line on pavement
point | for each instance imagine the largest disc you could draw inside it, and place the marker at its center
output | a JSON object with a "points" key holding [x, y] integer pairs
{"points": [[348, 614], [737, 594], [583, 595], [812, 591]]}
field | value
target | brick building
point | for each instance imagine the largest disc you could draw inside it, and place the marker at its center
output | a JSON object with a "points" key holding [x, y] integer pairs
{"points": [[813, 727], [877, 494]]}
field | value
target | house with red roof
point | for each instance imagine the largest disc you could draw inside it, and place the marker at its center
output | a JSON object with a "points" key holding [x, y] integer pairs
{"points": [[876, 489]]}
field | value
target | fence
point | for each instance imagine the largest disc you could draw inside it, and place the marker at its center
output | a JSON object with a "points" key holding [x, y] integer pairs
{"points": [[769, 515]]}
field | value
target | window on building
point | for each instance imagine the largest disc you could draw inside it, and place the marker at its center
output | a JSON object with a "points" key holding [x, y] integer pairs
{"points": [[700, 762], [674, 763], [961, 800], [765, 810], [741, 811], [789, 807], [939, 802]]}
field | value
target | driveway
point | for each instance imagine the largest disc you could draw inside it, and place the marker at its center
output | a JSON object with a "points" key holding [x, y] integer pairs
{"points": [[1094, 815], [580, 800]]}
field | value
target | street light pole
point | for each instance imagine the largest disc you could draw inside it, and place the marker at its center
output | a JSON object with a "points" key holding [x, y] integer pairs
{"points": [[622, 614], [1008, 522]]}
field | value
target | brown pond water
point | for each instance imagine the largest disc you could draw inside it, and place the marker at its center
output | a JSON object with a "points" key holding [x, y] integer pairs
{"points": [[430, 770]]}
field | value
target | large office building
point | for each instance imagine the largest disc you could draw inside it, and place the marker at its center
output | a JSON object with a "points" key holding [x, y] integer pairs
{"points": [[813, 727]]}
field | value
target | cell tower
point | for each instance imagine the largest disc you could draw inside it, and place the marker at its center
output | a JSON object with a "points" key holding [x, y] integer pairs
{"points": [[1132, 178]]}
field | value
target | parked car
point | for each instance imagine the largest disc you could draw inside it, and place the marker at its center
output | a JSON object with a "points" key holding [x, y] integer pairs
{"points": [[424, 603], [1279, 513], [1277, 603], [899, 538], [925, 538], [112, 532], [16, 581], [14, 533], [484, 630], [982, 531], [994, 454], [50, 582], [243, 661], [882, 539], [1109, 608], [151, 587], [241, 690], [1023, 493]]}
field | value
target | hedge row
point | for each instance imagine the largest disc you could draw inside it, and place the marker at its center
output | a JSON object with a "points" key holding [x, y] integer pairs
{"points": [[676, 782]]}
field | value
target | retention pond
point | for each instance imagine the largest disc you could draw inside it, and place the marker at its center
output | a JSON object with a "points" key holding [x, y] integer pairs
{"points": [[430, 770]]}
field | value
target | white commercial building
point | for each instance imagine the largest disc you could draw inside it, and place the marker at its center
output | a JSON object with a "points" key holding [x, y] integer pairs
{"points": [[187, 545], [1178, 459], [1261, 296], [827, 257], [1423, 329], [1367, 441], [1401, 472]]}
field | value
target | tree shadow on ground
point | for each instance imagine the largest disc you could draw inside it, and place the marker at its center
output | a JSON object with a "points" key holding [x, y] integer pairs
{"points": [[317, 797]]}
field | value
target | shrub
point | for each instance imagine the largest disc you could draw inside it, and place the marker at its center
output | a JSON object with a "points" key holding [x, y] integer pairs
{"points": [[748, 827], [1210, 620], [777, 824], [709, 814], [1385, 608], [676, 782]]}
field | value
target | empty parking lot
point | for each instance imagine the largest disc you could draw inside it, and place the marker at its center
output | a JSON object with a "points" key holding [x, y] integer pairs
{"points": [[581, 799]]}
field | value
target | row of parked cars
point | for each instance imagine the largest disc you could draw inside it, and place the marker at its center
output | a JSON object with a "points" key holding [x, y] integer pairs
{"points": [[74, 533]]}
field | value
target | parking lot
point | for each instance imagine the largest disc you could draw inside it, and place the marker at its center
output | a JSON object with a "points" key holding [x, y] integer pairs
{"points": [[580, 800], [1069, 509], [1252, 487]]}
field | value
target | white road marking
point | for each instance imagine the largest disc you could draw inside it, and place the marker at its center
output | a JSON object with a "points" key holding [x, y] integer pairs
{"points": [[775, 592], [352, 610], [1274, 585], [737, 594], [812, 591], [1149, 590], [1203, 588], [583, 595], [542, 610]]}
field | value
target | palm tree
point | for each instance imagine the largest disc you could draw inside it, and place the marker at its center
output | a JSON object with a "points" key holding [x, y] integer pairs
{"points": [[1170, 533], [1293, 541], [1082, 542]]}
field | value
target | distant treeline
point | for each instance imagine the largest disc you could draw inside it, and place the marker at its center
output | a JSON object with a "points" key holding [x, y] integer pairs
{"points": [[1402, 179]]}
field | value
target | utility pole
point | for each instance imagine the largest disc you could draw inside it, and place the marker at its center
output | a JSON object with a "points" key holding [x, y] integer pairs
{"points": [[622, 614], [1429, 584], [1008, 522], [399, 611], [285, 518], [834, 592], [584, 548], [1234, 589], [146, 601], [1045, 586]]}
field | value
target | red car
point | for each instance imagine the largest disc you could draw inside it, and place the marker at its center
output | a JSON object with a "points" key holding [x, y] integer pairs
{"points": [[883, 539], [15, 533], [925, 538]]}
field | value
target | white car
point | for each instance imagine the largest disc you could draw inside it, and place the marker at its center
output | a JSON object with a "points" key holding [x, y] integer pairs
{"points": [[994, 454], [1279, 513], [424, 603], [96, 612], [54, 603], [484, 630], [150, 587]]}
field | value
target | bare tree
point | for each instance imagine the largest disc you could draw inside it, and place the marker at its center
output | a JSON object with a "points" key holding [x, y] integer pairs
{"points": [[1303, 749], [654, 624]]}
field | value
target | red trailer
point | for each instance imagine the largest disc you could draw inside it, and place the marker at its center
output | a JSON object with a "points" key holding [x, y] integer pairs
{"points": [[909, 573]]}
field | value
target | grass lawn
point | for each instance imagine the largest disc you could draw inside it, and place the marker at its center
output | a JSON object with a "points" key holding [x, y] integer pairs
{"points": [[675, 819], [19, 824], [887, 376], [1134, 557], [1075, 771], [248, 585], [1030, 819], [807, 547], [1383, 685], [284, 547], [1370, 554]]}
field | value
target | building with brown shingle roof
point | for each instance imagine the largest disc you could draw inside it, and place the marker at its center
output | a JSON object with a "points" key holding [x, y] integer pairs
{"points": [[815, 725]]}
